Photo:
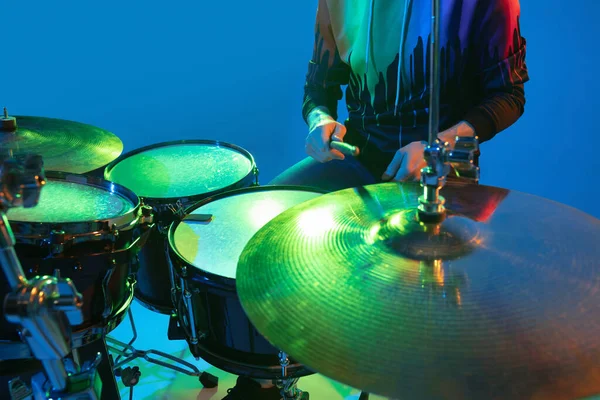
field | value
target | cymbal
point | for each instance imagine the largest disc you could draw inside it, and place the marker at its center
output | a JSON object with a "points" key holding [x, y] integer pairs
{"points": [[499, 301], [65, 146]]}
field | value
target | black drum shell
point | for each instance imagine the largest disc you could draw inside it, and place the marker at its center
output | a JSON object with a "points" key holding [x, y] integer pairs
{"points": [[227, 338], [95, 254], [87, 265]]}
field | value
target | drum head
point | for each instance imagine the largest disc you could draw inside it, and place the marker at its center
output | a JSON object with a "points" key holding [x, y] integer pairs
{"points": [[216, 246], [63, 201], [181, 169]]}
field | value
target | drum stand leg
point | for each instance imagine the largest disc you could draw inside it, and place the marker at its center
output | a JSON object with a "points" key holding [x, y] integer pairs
{"points": [[130, 353], [287, 385]]}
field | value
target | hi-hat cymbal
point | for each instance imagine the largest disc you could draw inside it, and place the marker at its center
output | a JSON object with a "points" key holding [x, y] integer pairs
{"points": [[64, 145], [500, 301]]}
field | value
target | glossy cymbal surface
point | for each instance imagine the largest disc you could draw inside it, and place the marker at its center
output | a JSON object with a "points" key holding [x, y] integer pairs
{"points": [[65, 146], [500, 301]]}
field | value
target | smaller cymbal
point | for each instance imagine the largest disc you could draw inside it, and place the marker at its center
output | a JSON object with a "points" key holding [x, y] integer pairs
{"points": [[65, 146]]}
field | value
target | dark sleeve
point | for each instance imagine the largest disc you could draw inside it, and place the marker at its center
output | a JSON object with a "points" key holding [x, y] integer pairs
{"points": [[499, 54], [326, 71]]}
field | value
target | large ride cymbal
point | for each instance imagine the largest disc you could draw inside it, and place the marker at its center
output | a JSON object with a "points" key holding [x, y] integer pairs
{"points": [[64, 145], [500, 301]]}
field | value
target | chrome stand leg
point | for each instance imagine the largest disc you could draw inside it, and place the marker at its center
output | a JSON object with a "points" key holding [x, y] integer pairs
{"points": [[130, 353], [287, 385]]}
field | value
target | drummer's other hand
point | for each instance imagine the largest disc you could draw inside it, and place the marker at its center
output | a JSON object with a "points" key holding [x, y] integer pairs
{"points": [[323, 129], [462, 129], [406, 164]]}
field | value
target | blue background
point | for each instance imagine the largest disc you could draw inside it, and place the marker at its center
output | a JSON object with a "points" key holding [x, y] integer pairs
{"points": [[154, 71]]}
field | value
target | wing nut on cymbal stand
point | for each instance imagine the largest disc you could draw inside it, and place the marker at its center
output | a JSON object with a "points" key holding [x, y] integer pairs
{"points": [[439, 159]]}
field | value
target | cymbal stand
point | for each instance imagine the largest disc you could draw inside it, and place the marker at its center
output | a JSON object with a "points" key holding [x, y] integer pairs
{"points": [[40, 306], [287, 385], [437, 154]]}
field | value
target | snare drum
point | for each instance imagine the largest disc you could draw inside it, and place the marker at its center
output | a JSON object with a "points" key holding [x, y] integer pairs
{"points": [[170, 177], [204, 249], [85, 229]]}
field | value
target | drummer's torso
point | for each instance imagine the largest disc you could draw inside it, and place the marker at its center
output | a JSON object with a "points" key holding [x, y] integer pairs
{"points": [[398, 31]]}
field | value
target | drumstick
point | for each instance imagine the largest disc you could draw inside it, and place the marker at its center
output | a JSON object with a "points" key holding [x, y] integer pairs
{"points": [[199, 217], [345, 148]]}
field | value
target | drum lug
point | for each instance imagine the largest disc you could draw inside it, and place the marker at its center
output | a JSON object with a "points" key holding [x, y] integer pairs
{"points": [[171, 276], [145, 215], [114, 235], [256, 173], [108, 304], [57, 242], [178, 210]]}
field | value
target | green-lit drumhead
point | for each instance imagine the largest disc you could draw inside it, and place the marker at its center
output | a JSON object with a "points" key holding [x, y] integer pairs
{"points": [[181, 170], [215, 246], [62, 201]]}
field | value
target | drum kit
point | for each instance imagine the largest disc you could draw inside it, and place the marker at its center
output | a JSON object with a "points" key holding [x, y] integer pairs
{"points": [[440, 290], [161, 225], [448, 289]]}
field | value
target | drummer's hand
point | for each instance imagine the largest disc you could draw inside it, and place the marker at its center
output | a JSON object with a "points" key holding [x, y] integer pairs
{"points": [[322, 129], [410, 160], [407, 163]]}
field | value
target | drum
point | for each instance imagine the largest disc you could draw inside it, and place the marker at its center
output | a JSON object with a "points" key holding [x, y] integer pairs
{"points": [[204, 249], [170, 177], [85, 229]]}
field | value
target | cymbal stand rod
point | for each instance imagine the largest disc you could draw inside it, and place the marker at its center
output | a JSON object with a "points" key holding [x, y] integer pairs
{"points": [[434, 73], [438, 155], [21, 181], [433, 176], [8, 257]]}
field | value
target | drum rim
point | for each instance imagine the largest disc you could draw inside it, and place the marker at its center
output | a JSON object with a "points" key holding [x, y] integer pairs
{"points": [[207, 276], [192, 198], [40, 229]]}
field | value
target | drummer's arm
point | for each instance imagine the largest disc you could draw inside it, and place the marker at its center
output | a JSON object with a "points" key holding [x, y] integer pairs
{"points": [[326, 72], [499, 53]]}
